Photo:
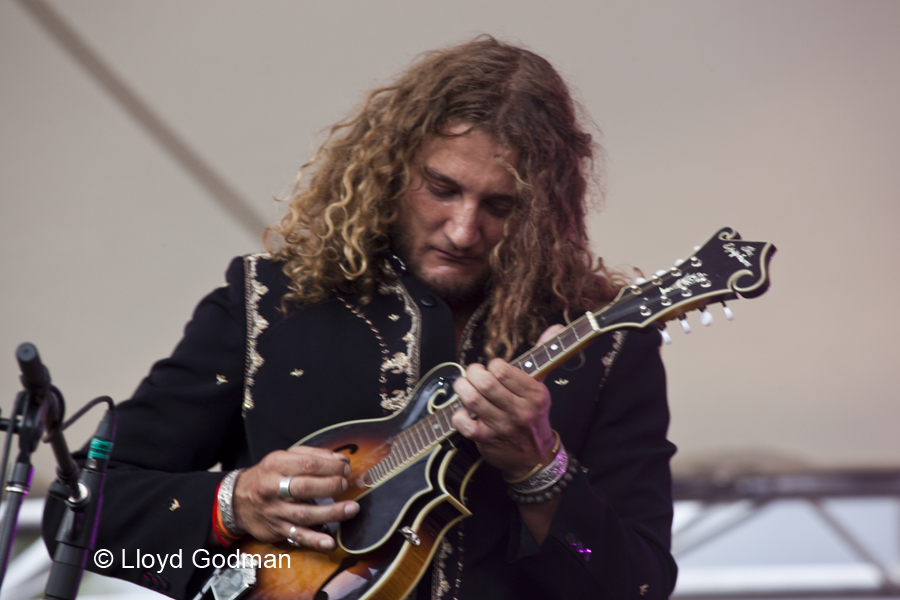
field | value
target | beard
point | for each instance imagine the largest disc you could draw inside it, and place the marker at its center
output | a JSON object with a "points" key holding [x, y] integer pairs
{"points": [[455, 290]]}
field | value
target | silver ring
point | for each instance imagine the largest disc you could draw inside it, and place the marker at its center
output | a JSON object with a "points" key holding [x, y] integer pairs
{"points": [[290, 537], [284, 488]]}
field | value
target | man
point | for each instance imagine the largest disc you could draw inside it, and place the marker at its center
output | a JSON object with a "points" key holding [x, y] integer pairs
{"points": [[443, 222]]}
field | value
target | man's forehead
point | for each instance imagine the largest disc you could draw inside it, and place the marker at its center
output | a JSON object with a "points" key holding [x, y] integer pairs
{"points": [[434, 145]]}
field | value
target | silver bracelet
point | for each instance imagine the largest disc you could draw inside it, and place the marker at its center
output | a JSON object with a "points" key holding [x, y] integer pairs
{"points": [[546, 477], [225, 500], [547, 494]]}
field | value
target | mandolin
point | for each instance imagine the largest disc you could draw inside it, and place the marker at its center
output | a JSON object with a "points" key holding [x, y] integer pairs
{"points": [[409, 471]]}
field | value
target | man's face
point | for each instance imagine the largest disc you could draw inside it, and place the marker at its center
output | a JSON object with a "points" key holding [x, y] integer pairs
{"points": [[453, 213]]}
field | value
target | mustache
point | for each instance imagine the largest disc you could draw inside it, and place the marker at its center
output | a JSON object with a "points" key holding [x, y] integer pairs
{"points": [[457, 253]]}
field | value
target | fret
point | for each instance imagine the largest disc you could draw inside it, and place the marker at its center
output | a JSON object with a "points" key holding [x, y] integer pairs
{"points": [[426, 432], [528, 364], [417, 441], [441, 418], [575, 330], [417, 436], [568, 337], [436, 427], [554, 347], [546, 349], [447, 413], [406, 447], [586, 328]]}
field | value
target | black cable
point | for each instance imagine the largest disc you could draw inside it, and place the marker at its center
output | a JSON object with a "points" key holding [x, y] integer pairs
{"points": [[80, 413]]}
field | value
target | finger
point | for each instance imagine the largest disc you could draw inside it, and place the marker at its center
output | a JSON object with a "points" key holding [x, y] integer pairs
{"points": [[517, 383], [507, 389], [550, 333], [313, 515], [306, 537], [304, 487], [305, 460], [474, 398], [472, 429]]}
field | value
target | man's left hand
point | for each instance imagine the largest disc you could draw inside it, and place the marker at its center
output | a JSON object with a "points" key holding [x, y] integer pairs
{"points": [[507, 415]]}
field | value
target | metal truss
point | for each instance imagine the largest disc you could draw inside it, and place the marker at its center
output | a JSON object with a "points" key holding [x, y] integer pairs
{"points": [[713, 506]]}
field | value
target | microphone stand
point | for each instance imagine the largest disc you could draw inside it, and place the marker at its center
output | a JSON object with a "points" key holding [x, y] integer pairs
{"points": [[38, 408]]}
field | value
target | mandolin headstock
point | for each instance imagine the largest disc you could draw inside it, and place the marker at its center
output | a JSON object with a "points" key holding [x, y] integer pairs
{"points": [[724, 268]]}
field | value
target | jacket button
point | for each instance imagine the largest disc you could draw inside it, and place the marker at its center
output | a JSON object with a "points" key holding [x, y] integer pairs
{"points": [[427, 301]]}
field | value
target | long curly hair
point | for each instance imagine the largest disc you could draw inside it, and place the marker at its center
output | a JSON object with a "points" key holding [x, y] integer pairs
{"points": [[342, 217]]}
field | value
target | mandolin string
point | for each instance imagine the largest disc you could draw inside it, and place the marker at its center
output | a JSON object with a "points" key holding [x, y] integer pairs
{"points": [[409, 445]]}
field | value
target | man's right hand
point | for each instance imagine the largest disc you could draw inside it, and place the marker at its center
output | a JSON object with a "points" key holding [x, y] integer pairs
{"points": [[316, 473]]}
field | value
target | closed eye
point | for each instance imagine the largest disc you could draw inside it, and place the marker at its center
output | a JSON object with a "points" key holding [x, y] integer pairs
{"points": [[499, 207], [442, 192]]}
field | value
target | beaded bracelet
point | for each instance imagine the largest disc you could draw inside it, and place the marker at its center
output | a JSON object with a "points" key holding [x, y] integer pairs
{"points": [[546, 494], [543, 484]]}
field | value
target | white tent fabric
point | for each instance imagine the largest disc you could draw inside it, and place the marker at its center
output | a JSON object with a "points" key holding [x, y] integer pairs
{"points": [[776, 118]]}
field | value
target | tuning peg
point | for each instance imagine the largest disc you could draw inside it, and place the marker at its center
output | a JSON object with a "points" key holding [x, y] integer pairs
{"points": [[696, 248], [728, 314], [679, 262], [684, 324], [667, 339], [706, 318], [640, 280], [661, 272]]}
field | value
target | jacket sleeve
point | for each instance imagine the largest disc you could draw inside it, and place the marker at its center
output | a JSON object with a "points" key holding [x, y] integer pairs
{"points": [[184, 418], [611, 534]]}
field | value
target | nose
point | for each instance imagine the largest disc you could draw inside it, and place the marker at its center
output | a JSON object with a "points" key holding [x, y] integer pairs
{"points": [[463, 228]]}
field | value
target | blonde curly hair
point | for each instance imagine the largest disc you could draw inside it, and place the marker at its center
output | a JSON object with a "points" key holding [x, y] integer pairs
{"points": [[340, 219]]}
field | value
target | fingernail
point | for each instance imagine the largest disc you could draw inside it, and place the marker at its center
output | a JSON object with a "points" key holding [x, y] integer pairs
{"points": [[351, 509], [343, 485], [341, 457], [327, 544], [347, 470]]}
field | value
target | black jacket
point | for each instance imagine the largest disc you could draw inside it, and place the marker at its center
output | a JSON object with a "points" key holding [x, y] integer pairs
{"points": [[249, 378]]}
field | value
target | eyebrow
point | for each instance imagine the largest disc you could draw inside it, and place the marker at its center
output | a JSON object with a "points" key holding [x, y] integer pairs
{"points": [[432, 174]]}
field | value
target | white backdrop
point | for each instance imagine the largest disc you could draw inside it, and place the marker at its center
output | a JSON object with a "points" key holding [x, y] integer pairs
{"points": [[777, 118]]}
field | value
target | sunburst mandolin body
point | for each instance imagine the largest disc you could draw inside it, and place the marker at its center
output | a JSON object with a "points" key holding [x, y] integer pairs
{"points": [[408, 473]]}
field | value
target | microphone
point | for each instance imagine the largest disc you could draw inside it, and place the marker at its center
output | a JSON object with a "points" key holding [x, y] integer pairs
{"points": [[35, 376], [36, 379]]}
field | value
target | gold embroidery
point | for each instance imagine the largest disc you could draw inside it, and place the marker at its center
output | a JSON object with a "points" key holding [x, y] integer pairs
{"points": [[397, 400], [610, 358], [399, 363], [439, 583], [175, 504], [256, 324], [400, 398], [469, 329], [220, 379], [297, 372], [561, 381], [394, 317]]}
